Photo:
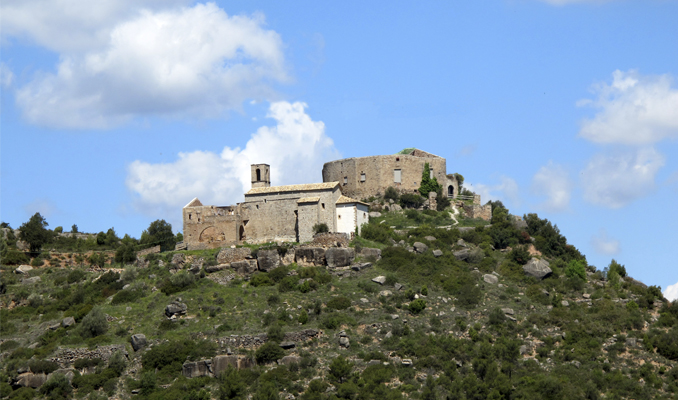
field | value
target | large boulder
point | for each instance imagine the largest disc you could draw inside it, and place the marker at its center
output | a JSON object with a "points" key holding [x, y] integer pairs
{"points": [[537, 268], [216, 268], [197, 368], [308, 256], [31, 281], [229, 255], [179, 260], [288, 258], [419, 247], [29, 379], [462, 255], [221, 363], [23, 269], [489, 278], [138, 341], [175, 308], [379, 279], [339, 257], [68, 321], [245, 267], [289, 360], [370, 252], [375, 214], [268, 259]]}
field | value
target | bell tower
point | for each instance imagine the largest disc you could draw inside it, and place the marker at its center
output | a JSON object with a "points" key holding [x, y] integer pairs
{"points": [[261, 175]]}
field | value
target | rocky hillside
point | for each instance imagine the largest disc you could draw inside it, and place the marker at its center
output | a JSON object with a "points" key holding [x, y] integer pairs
{"points": [[417, 307]]}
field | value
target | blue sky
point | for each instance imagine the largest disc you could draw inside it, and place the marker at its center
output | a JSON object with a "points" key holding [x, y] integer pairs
{"points": [[118, 114]]}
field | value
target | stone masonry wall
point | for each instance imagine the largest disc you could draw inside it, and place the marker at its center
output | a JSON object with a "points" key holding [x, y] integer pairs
{"points": [[209, 227], [379, 173]]}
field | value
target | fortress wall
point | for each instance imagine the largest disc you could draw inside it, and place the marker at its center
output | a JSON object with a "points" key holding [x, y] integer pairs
{"points": [[208, 227], [379, 173]]}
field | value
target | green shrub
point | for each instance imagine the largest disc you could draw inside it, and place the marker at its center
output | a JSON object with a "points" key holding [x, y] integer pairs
{"points": [[340, 369], [261, 279], [275, 333], [94, 324], [520, 255], [14, 257], [269, 352], [303, 317], [37, 262], [83, 363], [339, 303], [335, 320], [417, 306], [56, 387], [278, 274], [320, 228], [126, 296], [576, 269], [391, 194], [497, 316], [376, 232], [42, 366], [411, 200], [173, 354]]}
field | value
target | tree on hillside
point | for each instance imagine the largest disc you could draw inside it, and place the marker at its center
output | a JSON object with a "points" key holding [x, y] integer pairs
{"points": [[428, 184], [35, 232], [159, 233]]}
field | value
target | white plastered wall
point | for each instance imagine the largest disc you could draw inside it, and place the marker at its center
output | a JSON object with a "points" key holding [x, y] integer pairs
{"points": [[346, 218]]}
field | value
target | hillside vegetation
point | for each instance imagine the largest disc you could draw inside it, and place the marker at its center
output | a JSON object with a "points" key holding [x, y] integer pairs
{"points": [[454, 316]]}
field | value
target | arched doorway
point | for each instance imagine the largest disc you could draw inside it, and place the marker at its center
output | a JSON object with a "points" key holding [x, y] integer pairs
{"points": [[242, 235], [450, 191]]}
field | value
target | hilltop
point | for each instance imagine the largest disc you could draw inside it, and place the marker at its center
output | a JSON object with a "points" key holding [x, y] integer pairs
{"points": [[424, 304]]}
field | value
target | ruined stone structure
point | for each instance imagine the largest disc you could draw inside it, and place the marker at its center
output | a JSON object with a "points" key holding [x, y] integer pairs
{"points": [[272, 214], [364, 177]]}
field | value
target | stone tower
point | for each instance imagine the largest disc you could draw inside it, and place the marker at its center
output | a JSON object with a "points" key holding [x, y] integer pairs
{"points": [[261, 175]]}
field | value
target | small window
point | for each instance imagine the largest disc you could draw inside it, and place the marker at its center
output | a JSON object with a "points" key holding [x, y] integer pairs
{"points": [[362, 177], [339, 216], [189, 216], [345, 180], [257, 206], [323, 205], [430, 173], [397, 176], [397, 158]]}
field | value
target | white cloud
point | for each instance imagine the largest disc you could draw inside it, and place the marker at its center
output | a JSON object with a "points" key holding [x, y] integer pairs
{"points": [[6, 76], [616, 180], [671, 292], [553, 181], [71, 25], [604, 244], [295, 148], [43, 206], [195, 61], [634, 109], [506, 191]]}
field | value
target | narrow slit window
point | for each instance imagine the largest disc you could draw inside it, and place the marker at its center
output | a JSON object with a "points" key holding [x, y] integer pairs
{"points": [[345, 180]]}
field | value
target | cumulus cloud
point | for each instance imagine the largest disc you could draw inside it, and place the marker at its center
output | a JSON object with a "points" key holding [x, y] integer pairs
{"points": [[506, 191], [195, 61], [553, 181], [295, 148], [633, 110], [616, 180], [604, 244], [71, 25], [671, 292]]}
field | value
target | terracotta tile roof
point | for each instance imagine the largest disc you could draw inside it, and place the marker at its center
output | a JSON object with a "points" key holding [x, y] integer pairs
{"points": [[347, 200], [308, 200], [293, 188]]}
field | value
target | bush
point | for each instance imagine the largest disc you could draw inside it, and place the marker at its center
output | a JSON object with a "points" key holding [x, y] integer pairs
{"points": [[520, 255], [576, 269], [497, 316], [340, 369], [42, 366], [125, 254], [261, 279], [339, 303], [391, 194], [56, 387], [275, 333], [417, 306], [182, 279], [376, 232], [320, 228], [268, 353], [14, 257], [303, 317], [173, 354], [411, 200], [94, 324]]}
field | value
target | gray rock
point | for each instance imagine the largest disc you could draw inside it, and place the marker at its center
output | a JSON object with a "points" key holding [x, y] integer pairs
{"points": [[537, 268], [216, 268], [437, 253], [370, 252], [288, 345], [197, 368], [69, 373], [178, 259], [361, 266], [344, 342], [397, 286], [395, 316], [175, 308], [461, 242], [339, 256], [631, 342], [396, 207], [127, 286], [31, 281], [229, 255], [586, 296], [565, 303], [268, 260], [138, 341], [309, 256], [54, 327], [419, 247], [373, 362], [29, 379], [68, 321], [245, 267], [406, 362], [430, 238], [23, 269], [375, 214], [385, 293], [221, 363], [289, 360], [491, 279], [508, 311], [380, 279], [462, 255], [524, 350]]}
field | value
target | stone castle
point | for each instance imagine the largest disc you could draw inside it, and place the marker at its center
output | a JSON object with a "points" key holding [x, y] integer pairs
{"points": [[289, 213]]}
